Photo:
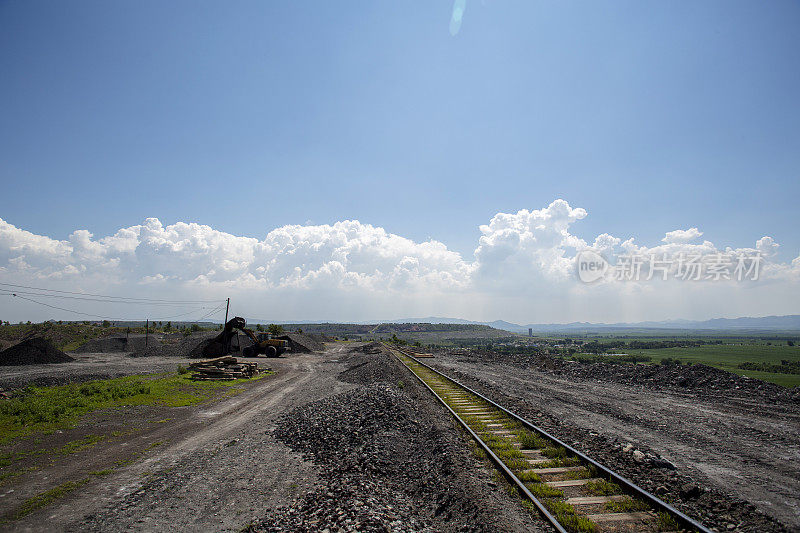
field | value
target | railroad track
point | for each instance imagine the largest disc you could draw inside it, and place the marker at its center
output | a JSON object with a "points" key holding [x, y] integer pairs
{"points": [[571, 490]]}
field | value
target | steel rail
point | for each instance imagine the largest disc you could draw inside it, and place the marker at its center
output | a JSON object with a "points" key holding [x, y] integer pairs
{"points": [[631, 486], [496, 460]]}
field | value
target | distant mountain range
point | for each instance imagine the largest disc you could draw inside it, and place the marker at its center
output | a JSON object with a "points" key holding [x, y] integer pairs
{"points": [[764, 323]]}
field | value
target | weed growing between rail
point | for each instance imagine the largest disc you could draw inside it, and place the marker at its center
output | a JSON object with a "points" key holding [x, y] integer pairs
{"points": [[602, 487], [539, 464]]}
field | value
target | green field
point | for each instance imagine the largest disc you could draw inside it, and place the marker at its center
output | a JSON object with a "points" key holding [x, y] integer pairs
{"points": [[728, 357]]}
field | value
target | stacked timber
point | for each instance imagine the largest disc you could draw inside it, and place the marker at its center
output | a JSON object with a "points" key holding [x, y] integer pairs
{"points": [[222, 368]]}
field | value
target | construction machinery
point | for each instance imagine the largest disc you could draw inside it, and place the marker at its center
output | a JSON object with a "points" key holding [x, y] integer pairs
{"points": [[263, 343]]}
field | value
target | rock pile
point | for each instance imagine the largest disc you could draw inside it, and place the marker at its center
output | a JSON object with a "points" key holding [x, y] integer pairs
{"points": [[182, 347], [697, 377], [133, 343], [371, 348], [676, 377], [385, 464], [300, 343], [342, 506], [33, 351]]}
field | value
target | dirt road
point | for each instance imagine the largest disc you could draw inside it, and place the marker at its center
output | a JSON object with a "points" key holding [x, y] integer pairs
{"points": [[376, 450], [216, 468]]}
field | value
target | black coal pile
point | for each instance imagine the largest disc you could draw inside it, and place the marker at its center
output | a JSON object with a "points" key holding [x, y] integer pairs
{"points": [[133, 343], [353, 432], [697, 377], [33, 351], [521, 360], [367, 370], [189, 346], [300, 343], [378, 458], [676, 377], [370, 348]]}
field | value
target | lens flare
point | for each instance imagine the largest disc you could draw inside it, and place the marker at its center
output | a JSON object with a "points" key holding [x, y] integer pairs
{"points": [[458, 13]]}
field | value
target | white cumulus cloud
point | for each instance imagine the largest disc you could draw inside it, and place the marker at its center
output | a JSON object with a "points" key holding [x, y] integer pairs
{"points": [[682, 236], [523, 268]]}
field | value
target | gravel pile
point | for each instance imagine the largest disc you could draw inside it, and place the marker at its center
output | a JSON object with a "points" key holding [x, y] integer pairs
{"points": [[133, 343], [676, 377], [33, 351], [183, 347], [371, 348], [652, 376], [386, 463], [347, 505], [300, 343]]}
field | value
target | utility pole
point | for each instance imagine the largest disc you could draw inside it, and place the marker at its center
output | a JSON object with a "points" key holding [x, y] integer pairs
{"points": [[228, 344], [146, 331]]}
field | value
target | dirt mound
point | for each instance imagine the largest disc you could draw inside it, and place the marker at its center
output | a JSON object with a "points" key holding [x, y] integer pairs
{"points": [[300, 343], [33, 351]]}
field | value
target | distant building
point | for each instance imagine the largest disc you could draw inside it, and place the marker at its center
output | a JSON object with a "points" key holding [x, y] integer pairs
{"points": [[530, 332]]}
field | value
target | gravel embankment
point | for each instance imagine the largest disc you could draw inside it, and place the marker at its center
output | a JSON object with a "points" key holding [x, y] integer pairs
{"points": [[391, 460], [696, 377], [179, 347]]}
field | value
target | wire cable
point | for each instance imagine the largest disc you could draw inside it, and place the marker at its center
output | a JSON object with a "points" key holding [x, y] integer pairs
{"points": [[114, 297], [159, 304], [108, 317]]}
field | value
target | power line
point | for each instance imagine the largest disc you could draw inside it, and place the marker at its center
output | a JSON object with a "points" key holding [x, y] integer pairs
{"points": [[218, 308], [108, 317], [62, 296], [114, 297]]}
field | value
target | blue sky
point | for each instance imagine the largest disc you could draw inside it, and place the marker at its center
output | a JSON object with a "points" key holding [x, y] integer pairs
{"points": [[247, 116]]}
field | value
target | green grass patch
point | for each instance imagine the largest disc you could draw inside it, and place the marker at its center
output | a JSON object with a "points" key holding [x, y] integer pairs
{"points": [[530, 440], [555, 452], [45, 409], [509, 453], [541, 490], [628, 505], [80, 445], [730, 354], [602, 488], [666, 522], [559, 462], [44, 498], [568, 517], [496, 442], [516, 463], [588, 472], [529, 477]]}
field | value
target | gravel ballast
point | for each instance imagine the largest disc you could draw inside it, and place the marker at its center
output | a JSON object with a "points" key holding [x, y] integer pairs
{"points": [[391, 460]]}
